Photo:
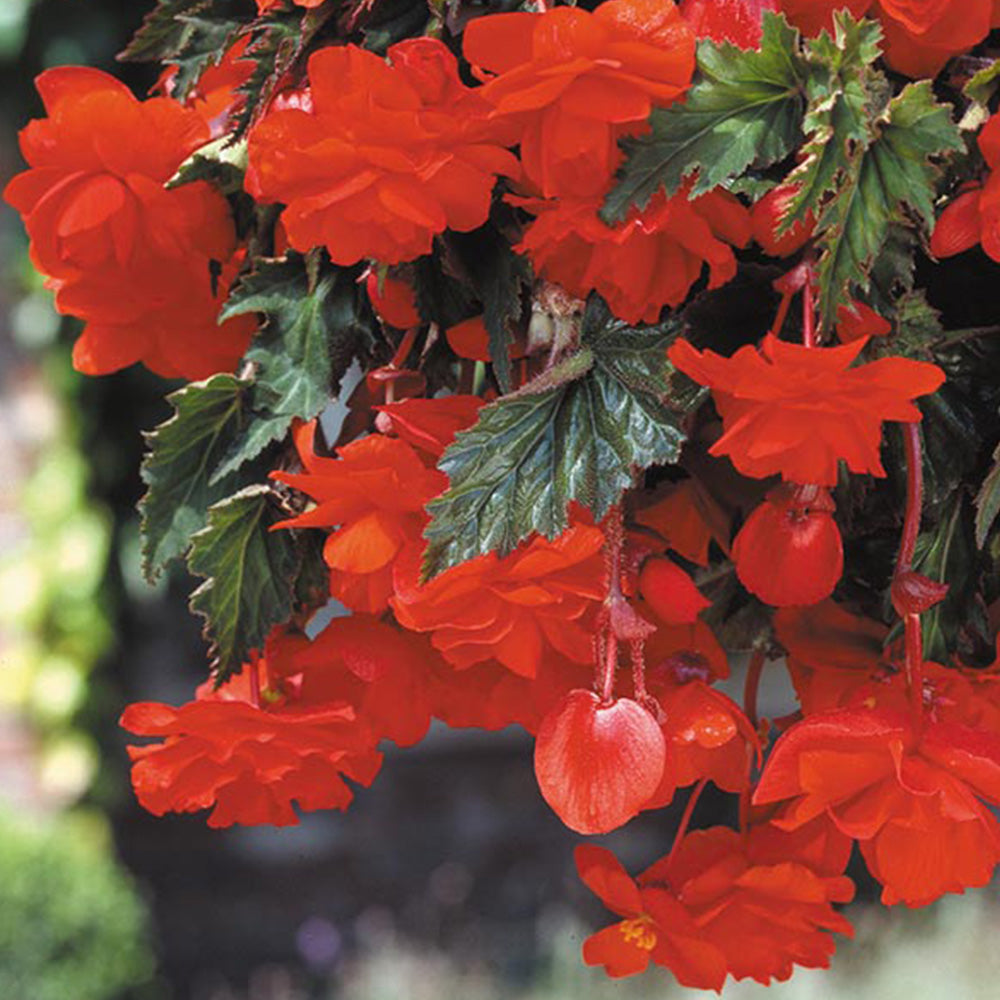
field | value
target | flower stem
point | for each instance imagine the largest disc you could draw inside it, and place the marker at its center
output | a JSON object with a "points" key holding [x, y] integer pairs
{"points": [[782, 313], [808, 314], [752, 684], [914, 497], [686, 818]]}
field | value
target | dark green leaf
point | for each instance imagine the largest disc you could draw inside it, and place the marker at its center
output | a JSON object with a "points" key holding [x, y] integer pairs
{"points": [[580, 434], [988, 501], [744, 108], [498, 277], [249, 570], [313, 331], [892, 182], [162, 33], [845, 95]]}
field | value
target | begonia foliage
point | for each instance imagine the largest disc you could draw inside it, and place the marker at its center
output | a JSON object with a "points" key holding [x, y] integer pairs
{"points": [[635, 311]]}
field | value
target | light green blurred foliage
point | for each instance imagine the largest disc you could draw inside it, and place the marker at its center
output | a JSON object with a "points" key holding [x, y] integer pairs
{"points": [[72, 926]]}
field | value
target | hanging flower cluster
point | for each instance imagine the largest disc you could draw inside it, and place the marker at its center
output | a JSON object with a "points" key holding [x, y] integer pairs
{"points": [[636, 389]]}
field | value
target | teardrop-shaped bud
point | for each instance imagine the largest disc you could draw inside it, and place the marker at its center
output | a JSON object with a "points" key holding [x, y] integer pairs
{"points": [[597, 765], [789, 551]]}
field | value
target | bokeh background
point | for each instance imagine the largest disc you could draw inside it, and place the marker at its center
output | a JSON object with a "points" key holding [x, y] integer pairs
{"points": [[448, 878]]}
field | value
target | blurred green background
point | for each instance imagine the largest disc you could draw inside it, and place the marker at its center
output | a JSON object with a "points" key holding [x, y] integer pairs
{"points": [[449, 877]]}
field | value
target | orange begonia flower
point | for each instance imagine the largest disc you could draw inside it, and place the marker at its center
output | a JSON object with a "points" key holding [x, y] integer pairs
{"points": [[249, 762], [387, 156], [688, 519], [431, 424], [373, 493], [721, 903], [512, 609], [670, 592], [131, 259], [643, 264], [797, 411], [914, 800], [575, 82], [736, 21]]}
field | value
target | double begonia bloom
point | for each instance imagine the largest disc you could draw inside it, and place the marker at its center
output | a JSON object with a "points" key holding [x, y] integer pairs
{"points": [[721, 904], [736, 21], [914, 800], [649, 261], [131, 259], [248, 763], [920, 35], [387, 157], [574, 82], [373, 493], [974, 216], [797, 411], [543, 596]]}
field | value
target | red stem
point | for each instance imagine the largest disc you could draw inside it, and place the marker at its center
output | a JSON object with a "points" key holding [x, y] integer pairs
{"points": [[405, 346], [686, 818], [915, 668], [782, 313], [752, 683], [255, 681], [914, 497], [808, 314], [636, 647]]}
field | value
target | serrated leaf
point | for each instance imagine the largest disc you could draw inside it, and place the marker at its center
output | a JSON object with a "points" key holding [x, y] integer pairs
{"points": [[162, 33], [314, 329], [249, 574], [987, 501], [982, 85], [744, 109], [178, 469], [845, 96], [606, 415], [893, 182], [221, 162]]}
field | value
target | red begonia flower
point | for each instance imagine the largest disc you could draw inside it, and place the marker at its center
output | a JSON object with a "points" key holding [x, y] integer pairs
{"points": [[643, 264], [381, 671], [248, 763], [656, 927], [431, 424], [797, 411], [131, 259], [913, 800], [373, 493], [707, 735], [387, 157], [691, 651], [542, 596], [974, 216], [574, 82], [789, 550], [470, 339], [598, 764], [830, 651], [687, 518], [762, 903], [736, 21], [765, 216], [393, 300], [266, 6], [670, 592], [920, 35]]}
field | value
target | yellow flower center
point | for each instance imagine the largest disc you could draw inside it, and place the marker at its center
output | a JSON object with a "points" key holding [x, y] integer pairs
{"points": [[639, 931]]}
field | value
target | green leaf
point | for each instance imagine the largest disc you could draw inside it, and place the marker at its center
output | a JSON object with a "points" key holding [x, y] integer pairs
{"points": [[987, 501], [221, 162], [162, 33], [580, 433], [892, 182], [744, 109], [315, 327], [498, 277], [845, 94], [982, 85], [178, 469], [250, 572]]}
